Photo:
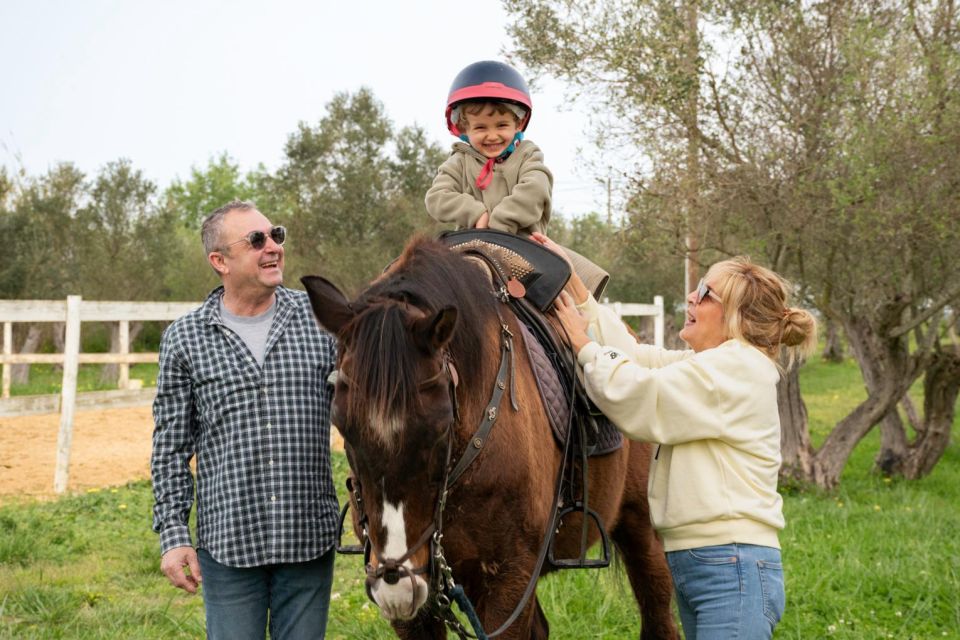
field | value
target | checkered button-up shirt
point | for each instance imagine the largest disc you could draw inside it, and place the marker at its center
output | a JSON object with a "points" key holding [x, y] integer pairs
{"points": [[261, 436]]}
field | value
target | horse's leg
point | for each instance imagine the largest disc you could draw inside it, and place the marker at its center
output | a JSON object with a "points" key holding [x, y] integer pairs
{"points": [[643, 555], [422, 627], [501, 596]]}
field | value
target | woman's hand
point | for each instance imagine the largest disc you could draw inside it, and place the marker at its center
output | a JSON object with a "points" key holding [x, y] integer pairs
{"points": [[542, 239], [573, 324], [575, 285], [483, 222]]}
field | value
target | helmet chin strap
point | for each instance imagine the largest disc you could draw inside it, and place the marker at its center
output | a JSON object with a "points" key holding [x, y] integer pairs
{"points": [[485, 177]]}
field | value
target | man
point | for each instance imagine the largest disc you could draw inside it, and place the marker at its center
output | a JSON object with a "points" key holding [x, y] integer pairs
{"points": [[243, 387]]}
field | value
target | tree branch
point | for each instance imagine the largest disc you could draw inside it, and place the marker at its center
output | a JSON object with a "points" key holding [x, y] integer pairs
{"points": [[946, 299]]}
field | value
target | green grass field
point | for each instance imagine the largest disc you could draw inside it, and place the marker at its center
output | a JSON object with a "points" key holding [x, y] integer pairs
{"points": [[875, 559]]}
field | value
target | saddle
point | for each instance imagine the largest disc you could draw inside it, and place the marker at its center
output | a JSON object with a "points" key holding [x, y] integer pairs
{"points": [[530, 277]]}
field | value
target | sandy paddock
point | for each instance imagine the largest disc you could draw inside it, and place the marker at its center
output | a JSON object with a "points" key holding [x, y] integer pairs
{"points": [[110, 447]]}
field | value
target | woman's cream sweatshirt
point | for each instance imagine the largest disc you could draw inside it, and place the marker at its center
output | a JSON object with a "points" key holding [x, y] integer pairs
{"points": [[713, 479]]}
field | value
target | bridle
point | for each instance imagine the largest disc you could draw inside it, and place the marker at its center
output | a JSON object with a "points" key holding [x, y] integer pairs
{"points": [[392, 570]]}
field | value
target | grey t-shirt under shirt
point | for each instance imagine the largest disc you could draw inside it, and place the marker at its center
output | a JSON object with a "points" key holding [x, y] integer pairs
{"points": [[252, 330]]}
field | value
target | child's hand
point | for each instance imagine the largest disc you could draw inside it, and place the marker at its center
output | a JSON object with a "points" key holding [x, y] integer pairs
{"points": [[483, 222]]}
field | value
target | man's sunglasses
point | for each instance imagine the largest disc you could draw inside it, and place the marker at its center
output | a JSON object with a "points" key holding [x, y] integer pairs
{"points": [[704, 290], [258, 239]]}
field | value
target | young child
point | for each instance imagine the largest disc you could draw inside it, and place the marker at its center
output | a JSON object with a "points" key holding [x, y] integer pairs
{"points": [[494, 178]]}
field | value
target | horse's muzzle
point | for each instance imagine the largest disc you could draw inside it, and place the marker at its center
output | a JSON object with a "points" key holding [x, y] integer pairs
{"points": [[397, 590]]}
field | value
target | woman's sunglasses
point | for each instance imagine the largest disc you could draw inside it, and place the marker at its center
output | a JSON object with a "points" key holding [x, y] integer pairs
{"points": [[258, 239], [704, 290]]}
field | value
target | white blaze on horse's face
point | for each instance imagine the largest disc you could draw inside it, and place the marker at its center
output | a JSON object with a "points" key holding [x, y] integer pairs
{"points": [[402, 600], [387, 429]]}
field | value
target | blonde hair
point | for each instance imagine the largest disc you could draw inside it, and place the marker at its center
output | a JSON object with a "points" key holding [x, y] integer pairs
{"points": [[755, 310]]}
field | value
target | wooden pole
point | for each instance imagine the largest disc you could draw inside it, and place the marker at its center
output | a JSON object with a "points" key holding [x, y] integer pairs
{"points": [[124, 380], [7, 350], [68, 394]]}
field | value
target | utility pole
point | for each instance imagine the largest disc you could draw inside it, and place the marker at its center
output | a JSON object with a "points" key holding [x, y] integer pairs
{"points": [[691, 181], [608, 182]]}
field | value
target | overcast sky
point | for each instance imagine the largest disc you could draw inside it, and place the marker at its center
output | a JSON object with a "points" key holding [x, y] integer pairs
{"points": [[170, 84]]}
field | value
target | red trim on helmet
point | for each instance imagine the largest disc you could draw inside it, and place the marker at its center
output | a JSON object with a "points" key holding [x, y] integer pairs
{"points": [[491, 90]]}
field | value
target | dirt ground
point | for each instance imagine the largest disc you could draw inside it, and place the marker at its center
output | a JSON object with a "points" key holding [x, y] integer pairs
{"points": [[110, 447]]}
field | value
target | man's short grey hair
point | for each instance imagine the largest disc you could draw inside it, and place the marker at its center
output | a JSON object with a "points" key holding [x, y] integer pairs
{"points": [[213, 224]]}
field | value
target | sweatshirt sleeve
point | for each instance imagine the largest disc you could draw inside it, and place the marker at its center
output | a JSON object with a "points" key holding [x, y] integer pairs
{"points": [[445, 200], [668, 405], [608, 329], [529, 200]]}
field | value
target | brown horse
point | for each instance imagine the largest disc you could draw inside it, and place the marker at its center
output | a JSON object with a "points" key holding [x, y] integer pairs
{"points": [[420, 351]]}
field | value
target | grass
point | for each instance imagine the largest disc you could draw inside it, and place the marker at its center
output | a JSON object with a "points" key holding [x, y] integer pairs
{"points": [[875, 559], [48, 378]]}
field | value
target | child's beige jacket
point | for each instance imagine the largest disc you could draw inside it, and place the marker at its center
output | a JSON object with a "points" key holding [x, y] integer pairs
{"points": [[518, 198]]}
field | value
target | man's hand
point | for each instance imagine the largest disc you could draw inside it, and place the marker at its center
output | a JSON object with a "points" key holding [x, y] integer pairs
{"points": [[172, 564], [483, 222]]}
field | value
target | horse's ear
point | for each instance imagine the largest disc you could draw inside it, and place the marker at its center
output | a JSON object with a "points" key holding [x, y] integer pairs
{"points": [[432, 333], [330, 306]]}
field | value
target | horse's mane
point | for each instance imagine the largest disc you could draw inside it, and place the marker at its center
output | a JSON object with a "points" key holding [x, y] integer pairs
{"points": [[430, 277]]}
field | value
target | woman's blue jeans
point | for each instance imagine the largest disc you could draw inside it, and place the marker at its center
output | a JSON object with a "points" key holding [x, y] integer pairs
{"points": [[297, 595], [728, 592]]}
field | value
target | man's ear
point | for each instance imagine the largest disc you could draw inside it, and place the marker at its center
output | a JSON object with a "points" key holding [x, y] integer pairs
{"points": [[215, 258]]}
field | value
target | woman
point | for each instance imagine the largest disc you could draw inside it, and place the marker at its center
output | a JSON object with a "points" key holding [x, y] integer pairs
{"points": [[713, 412]]}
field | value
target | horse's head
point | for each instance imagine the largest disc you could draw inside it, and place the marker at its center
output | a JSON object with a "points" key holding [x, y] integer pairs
{"points": [[394, 404]]}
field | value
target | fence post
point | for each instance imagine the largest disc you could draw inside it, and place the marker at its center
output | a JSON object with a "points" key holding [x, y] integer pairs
{"points": [[68, 393], [124, 379], [658, 321], [7, 350]]}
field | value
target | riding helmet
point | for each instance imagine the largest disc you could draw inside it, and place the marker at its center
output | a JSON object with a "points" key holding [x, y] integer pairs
{"points": [[488, 80]]}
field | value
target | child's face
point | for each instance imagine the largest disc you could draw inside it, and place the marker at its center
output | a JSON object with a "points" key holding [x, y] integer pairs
{"points": [[490, 132]]}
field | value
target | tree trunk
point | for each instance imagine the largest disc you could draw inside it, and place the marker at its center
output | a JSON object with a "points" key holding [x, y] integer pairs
{"points": [[888, 371], [795, 444], [893, 444], [940, 389], [833, 344], [20, 373]]}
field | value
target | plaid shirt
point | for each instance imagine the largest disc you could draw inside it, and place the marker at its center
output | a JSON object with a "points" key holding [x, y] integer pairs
{"points": [[261, 437]]}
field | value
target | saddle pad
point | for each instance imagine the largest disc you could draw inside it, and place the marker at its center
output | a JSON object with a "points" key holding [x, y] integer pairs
{"points": [[542, 272], [555, 400], [548, 382]]}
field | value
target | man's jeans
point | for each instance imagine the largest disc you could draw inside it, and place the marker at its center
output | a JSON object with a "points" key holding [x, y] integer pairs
{"points": [[297, 595], [728, 592]]}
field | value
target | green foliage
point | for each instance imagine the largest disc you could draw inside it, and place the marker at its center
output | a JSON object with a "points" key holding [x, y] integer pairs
{"points": [[349, 203], [208, 189]]}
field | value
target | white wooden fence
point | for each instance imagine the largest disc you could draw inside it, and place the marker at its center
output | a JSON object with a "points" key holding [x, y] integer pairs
{"points": [[636, 309], [73, 312]]}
